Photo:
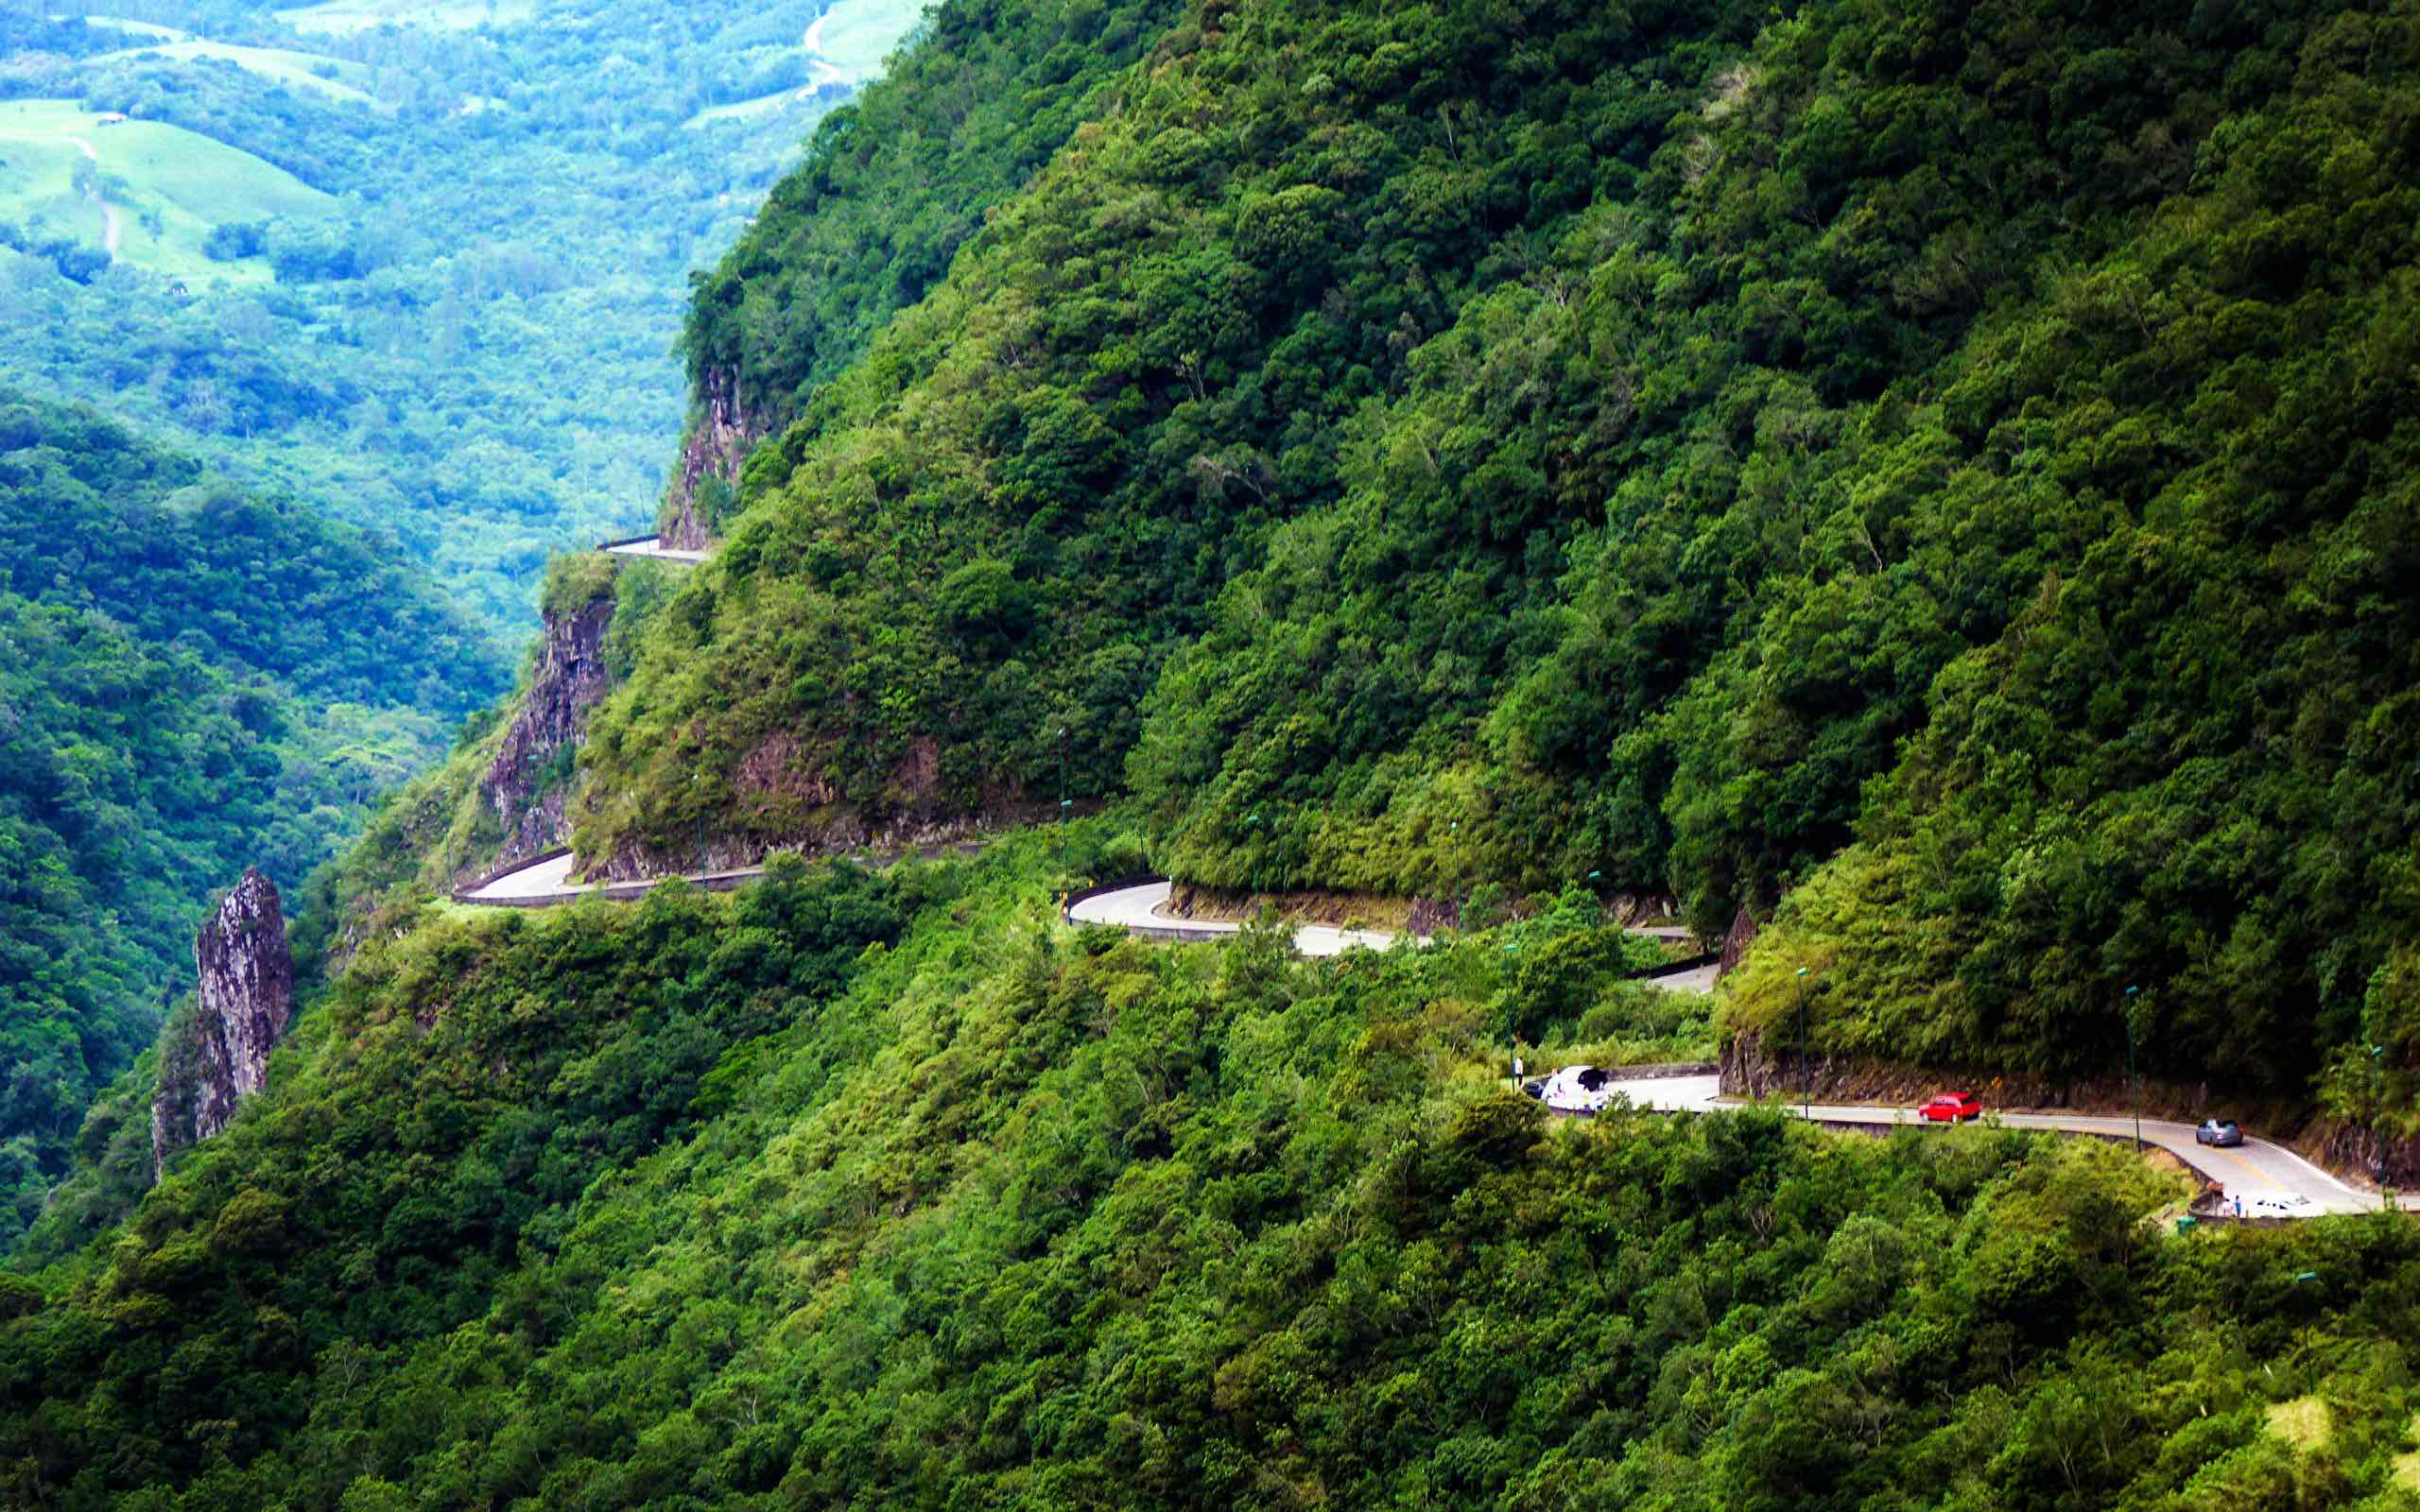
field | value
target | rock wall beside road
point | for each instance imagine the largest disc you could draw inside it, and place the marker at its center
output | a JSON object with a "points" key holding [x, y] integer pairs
{"points": [[570, 679], [1735, 944], [2390, 1162], [719, 441]]}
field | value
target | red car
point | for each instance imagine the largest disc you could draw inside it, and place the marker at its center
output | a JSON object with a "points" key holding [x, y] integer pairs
{"points": [[1952, 1108]]}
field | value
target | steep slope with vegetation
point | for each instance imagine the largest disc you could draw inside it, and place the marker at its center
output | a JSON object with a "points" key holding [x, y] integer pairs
{"points": [[895, 182], [192, 680], [2108, 539], [1945, 462], [893, 1192], [1678, 445], [994, 528]]}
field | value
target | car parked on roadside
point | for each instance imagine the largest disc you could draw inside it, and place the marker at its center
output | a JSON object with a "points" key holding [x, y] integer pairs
{"points": [[1952, 1108], [1574, 1089], [2225, 1133]]}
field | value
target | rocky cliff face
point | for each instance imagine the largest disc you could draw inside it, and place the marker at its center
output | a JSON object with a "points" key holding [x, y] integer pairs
{"points": [[717, 443], [526, 784], [2390, 1162], [1734, 945], [220, 1056], [847, 834]]}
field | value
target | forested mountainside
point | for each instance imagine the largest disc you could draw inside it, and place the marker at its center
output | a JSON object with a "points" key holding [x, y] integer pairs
{"points": [[884, 1192], [1944, 464], [193, 679], [420, 262], [895, 182], [1928, 473]]}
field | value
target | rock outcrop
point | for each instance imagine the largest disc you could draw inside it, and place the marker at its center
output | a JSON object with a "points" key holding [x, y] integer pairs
{"points": [[1735, 944], [719, 441], [2389, 1162], [220, 1056], [526, 783]]}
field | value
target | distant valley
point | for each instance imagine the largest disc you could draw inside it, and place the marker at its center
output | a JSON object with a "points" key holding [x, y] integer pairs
{"points": [[424, 261]]}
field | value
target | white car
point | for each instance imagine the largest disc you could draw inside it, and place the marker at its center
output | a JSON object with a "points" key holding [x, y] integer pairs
{"points": [[1576, 1090]]}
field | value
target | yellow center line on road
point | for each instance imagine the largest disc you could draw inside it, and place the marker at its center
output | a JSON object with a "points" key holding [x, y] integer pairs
{"points": [[2258, 1175]]}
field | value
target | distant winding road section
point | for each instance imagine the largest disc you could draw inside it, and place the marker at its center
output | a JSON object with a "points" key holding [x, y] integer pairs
{"points": [[547, 881], [651, 547], [1142, 910], [813, 42], [2272, 1181]]}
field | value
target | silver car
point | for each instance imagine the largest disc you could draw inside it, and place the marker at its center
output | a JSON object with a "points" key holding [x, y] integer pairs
{"points": [[2219, 1131]]}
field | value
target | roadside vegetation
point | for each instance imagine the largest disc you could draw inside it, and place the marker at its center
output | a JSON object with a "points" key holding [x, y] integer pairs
{"points": [[894, 1190]]}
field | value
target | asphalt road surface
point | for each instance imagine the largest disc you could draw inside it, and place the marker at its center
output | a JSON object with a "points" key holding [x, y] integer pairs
{"points": [[655, 550], [2272, 1181], [540, 879], [1144, 907], [1141, 908]]}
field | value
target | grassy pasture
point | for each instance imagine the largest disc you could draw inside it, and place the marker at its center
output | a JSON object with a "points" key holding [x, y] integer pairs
{"points": [[171, 186], [855, 36]]}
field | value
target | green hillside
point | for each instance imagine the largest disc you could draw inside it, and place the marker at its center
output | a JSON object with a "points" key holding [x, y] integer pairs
{"points": [[169, 186], [1933, 476], [194, 681], [1943, 467], [345, 16], [884, 1192], [443, 309], [311, 71]]}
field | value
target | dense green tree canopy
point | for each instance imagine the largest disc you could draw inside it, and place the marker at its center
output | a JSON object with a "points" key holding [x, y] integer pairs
{"points": [[896, 181], [894, 1193], [193, 679], [1446, 445]]}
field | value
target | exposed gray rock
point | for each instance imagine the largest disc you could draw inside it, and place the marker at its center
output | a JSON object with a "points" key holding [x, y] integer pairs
{"points": [[719, 441], [1734, 945], [569, 681], [220, 1056]]}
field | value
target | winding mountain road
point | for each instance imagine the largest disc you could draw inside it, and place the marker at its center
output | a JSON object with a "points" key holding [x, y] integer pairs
{"points": [[1141, 910], [2274, 1181], [651, 547], [547, 882], [2271, 1180], [813, 42]]}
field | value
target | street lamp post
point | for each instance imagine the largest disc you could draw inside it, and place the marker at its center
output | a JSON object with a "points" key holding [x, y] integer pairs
{"points": [[1062, 801], [2134, 1082], [1454, 843], [2377, 1054], [1805, 1075]]}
